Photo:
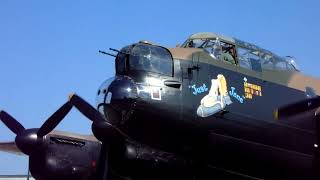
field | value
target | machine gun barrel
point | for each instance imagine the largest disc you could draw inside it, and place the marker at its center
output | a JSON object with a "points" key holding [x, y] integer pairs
{"points": [[103, 52], [111, 49]]}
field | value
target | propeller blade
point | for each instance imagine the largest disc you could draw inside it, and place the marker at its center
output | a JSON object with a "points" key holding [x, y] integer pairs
{"points": [[95, 116], [85, 108], [10, 147], [297, 107], [54, 119], [11, 123]]}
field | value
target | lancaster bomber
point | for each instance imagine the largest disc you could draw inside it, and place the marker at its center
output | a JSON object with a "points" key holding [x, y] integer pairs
{"points": [[214, 106]]}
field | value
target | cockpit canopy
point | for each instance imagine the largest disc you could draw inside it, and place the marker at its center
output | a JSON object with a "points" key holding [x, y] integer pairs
{"points": [[240, 53], [292, 61]]}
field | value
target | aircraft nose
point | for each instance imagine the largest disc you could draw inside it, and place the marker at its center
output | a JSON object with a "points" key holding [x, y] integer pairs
{"points": [[102, 92], [116, 96]]}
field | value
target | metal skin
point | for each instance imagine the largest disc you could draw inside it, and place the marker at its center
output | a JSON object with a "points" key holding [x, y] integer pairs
{"points": [[207, 119], [54, 155], [65, 158], [243, 138]]}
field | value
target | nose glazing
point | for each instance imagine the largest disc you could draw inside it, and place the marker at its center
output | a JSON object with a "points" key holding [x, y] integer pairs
{"points": [[102, 91], [115, 97]]}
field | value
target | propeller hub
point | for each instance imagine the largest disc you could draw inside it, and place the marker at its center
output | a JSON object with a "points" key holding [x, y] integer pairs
{"points": [[28, 141]]}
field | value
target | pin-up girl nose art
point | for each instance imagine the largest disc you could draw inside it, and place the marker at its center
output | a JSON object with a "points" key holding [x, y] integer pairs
{"points": [[217, 98]]}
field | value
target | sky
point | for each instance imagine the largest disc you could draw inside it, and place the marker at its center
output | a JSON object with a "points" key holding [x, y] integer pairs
{"points": [[49, 49]]}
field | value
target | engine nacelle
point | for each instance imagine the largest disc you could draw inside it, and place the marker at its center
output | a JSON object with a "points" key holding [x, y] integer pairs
{"points": [[65, 158]]}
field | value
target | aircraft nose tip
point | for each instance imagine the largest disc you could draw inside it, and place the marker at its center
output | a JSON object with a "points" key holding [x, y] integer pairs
{"points": [[123, 88], [116, 88], [116, 96], [102, 91]]}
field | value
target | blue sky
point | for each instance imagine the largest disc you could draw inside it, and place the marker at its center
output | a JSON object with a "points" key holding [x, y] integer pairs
{"points": [[49, 49]]}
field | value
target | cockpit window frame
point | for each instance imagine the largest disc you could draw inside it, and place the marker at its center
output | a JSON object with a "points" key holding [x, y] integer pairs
{"points": [[288, 62], [219, 49], [249, 58], [171, 74], [123, 52], [268, 60]]}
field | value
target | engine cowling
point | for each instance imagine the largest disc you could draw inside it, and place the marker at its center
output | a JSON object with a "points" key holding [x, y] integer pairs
{"points": [[65, 158]]}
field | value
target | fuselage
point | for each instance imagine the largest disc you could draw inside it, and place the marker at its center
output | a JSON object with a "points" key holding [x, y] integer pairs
{"points": [[184, 101]]}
